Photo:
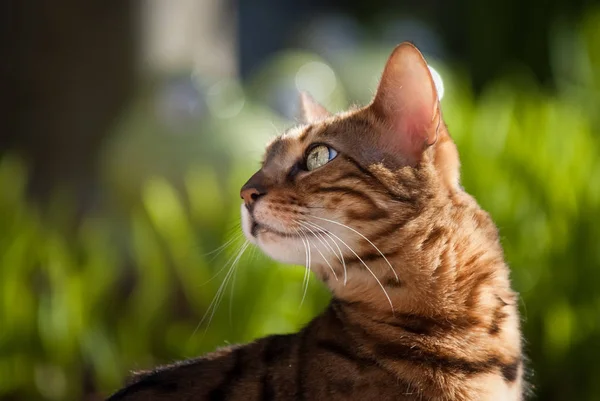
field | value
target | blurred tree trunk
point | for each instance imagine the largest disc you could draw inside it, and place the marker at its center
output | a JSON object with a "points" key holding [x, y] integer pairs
{"points": [[67, 71]]}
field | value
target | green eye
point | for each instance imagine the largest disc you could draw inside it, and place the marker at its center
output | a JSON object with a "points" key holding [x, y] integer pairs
{"points": [[319, 156]]}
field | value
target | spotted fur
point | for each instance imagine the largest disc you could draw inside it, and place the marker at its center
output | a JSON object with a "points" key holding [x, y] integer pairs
{"points": [[422, 306]]}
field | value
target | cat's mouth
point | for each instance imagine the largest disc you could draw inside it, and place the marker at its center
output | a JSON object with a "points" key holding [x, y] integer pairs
{"points": [[286, 242], [254, 228], [257, 228]]}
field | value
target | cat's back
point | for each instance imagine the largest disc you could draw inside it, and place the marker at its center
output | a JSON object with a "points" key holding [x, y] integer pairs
{"points": [[318, 363]]}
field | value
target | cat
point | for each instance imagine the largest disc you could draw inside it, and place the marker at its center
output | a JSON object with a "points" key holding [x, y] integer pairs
{"points": [[422, 306]]}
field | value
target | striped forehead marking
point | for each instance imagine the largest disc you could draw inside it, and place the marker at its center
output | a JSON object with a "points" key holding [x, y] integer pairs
{"points": [[284, 150]]}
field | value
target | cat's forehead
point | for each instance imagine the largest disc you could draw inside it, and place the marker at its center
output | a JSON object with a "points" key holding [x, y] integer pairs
{"points": [[297, 133], [344, 131], [287, 148]]}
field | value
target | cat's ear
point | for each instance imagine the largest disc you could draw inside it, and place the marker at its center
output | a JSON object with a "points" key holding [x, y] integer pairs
{"points": [[312, 111], [407, 103]]}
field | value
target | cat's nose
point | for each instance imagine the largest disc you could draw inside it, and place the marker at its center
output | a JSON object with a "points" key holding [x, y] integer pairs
{"points": [[250, 195], [253, 189]]}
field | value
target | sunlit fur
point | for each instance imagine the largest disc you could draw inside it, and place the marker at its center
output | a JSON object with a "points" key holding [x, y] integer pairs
{"points": [[422, 305], [444, 248]]}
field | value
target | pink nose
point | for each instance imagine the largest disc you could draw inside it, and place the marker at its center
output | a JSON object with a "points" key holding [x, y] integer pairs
{"points": [[249, 195], [253, 189]]}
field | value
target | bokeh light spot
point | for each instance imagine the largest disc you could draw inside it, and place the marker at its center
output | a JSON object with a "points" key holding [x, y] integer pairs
{"points": [[316, 78], [225, 99]]}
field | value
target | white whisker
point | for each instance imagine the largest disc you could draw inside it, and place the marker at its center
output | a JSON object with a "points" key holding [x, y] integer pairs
{"points": [[232, 273], [324, 240], [364, 264], [308, 272], [342, 260], [318, 250], [368, 240], [306, 277], [212, 307], [220, 249], [224, 266], [232, 289]]}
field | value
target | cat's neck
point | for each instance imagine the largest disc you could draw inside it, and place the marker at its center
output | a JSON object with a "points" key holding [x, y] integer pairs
{"points": [[452, 297], [448, 264], [419, 350]]}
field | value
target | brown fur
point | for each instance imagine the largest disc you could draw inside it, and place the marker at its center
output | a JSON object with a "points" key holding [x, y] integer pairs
{"points": [[452, 329]]}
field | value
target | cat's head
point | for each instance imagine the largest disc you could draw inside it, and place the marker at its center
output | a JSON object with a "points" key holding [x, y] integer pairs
{"points": [[344, 184]]}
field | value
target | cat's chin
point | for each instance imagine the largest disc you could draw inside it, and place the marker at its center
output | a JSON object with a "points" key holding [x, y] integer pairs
{"points": [[289, 250], [247, 224]]}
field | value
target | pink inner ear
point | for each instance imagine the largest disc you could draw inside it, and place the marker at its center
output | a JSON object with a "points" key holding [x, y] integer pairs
{"points": [[407, 102], [312, 111]]}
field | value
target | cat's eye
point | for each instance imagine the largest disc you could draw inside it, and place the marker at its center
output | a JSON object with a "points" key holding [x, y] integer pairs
{"points": [[319, 156]]}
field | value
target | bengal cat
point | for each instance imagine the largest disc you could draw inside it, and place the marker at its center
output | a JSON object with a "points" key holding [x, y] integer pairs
{"points": [[422, 306]]}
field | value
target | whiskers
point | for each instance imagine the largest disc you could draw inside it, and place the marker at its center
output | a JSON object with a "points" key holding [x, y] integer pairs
{"points": [[216, 252], [366, 239], [327, 242], [314, 229], [317, 236], [306, 277], [232, 263]]}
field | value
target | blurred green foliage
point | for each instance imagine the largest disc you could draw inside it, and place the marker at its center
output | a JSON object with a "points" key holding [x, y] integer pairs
{"points": [[133, 286]]}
